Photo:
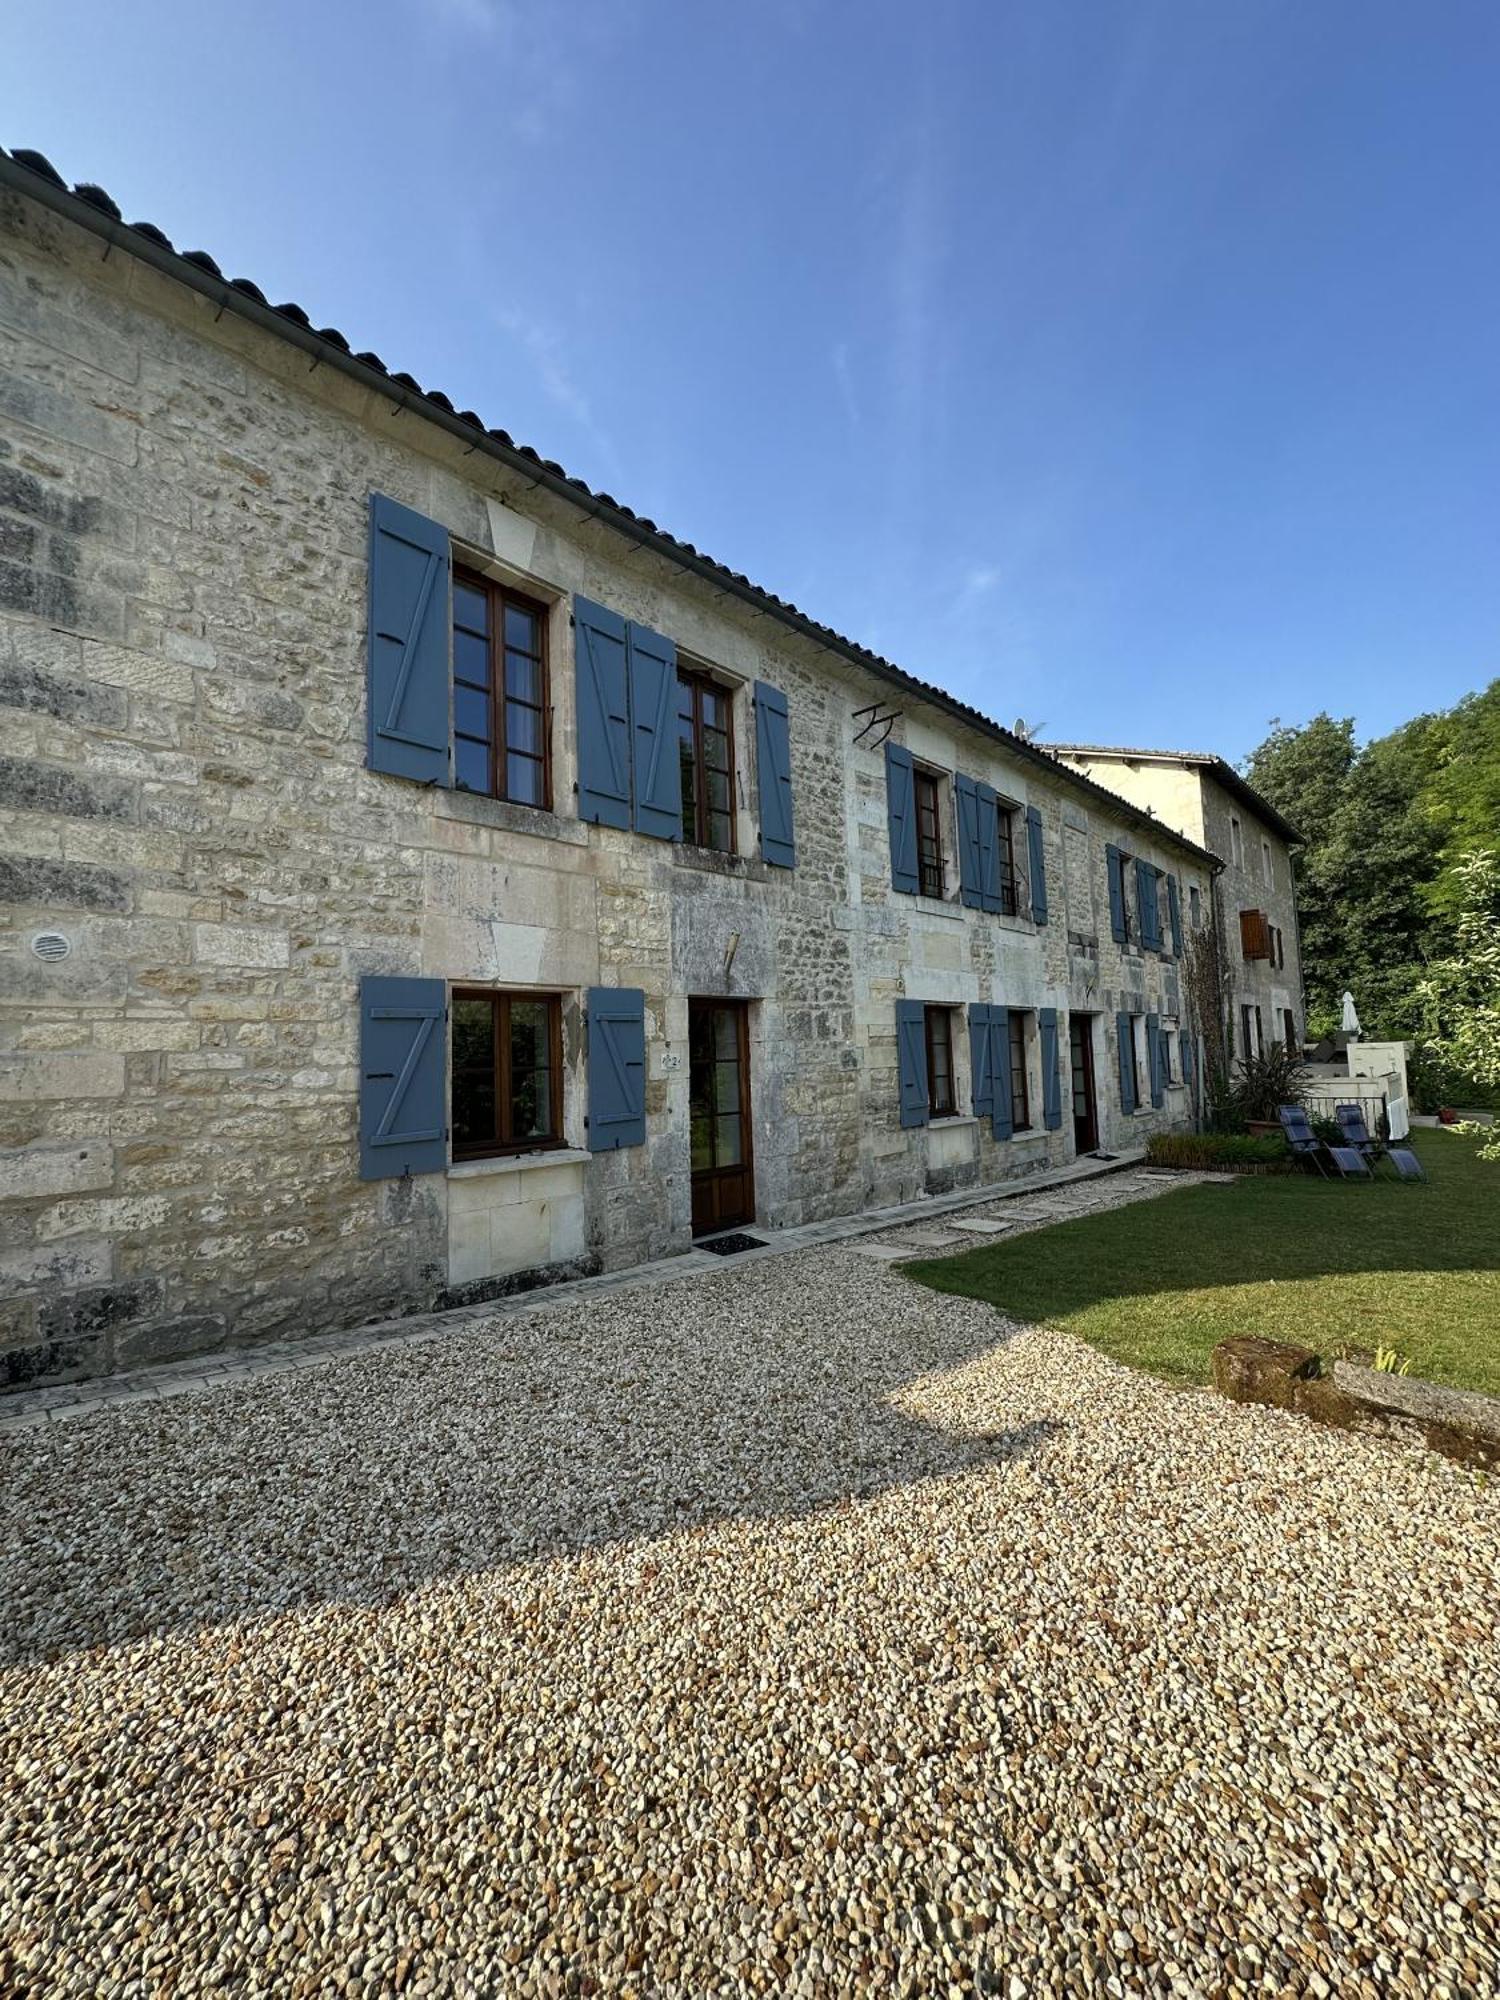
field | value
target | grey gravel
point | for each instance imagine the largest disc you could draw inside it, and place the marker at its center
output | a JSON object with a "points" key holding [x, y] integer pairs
{"points": [[792, 1631]]}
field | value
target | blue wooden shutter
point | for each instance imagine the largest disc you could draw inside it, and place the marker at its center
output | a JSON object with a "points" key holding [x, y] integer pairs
{"points": [[989, 847], [406, 675], [1153, 1059], [1051, 1080], [1174, 914], [970, 861], [603, 701], [656, 770], [773, 763], [981, 1068], [911, 1061], [617, 1067], [1003, 1120], [1114, 862], [1038, 865], [901, 815], [1125, 1043], [1145, 905], [403, 1078]]}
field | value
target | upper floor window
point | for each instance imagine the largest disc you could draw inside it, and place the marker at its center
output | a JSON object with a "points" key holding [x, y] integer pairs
{"points": [[499, 692], [929, 835], [705, 749], [1236, 841], [1267, 864], [1195, 907], [941, 1096], [507, 1072], [1009, 896]]}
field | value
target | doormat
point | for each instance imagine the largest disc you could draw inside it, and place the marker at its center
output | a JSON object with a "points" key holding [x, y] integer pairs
{"points": [[730, 1246], [1104, 1156]]}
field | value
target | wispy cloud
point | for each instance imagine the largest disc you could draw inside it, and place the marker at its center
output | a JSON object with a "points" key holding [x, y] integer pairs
{"points": [[544, 349], [843, 375]]}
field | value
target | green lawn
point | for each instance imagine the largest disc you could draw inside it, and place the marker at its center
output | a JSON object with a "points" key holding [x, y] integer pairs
{"points": [[1330, 1265]]}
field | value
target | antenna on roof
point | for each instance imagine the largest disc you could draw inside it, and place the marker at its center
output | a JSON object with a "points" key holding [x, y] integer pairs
{"points": [[1022, 728]]}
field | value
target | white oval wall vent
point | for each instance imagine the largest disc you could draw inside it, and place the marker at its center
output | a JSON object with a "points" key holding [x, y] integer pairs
{"points": [[51, 944]]}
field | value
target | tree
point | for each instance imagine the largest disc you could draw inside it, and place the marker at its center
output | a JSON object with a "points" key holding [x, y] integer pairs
{"points": [[1461, 994]]}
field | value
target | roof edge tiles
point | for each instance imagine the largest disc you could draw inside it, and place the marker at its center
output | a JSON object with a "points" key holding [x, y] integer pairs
{"points": [[1222, 770], [87, 205]]}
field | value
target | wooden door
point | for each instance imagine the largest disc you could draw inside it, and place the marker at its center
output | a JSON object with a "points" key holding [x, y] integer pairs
{"points": [[1081, 1049], [719, 1100]]}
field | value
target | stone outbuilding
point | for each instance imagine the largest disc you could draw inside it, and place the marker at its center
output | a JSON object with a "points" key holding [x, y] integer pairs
{"points": [[424, 877]]}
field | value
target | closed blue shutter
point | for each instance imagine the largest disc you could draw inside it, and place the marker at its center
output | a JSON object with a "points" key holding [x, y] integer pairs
{"points": [[1145, 903], [773, 763], [1051, 1080], [603, 701], [656, 768], [970, 857], [406, 674], [911, 1061], [1038, 865], [1174, 914], [1153, 1059], [1003, 1121], [403, 1078], [901, 815], [1114, 862], [981, 1062], [989, 847], [617, 1067], [1125, 1042]]}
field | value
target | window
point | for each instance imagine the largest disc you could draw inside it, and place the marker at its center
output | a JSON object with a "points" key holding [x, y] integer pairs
{"points": [[1130, 1071], [1195, 907], [507, 1072], [1289, 1031], [1267, 865], [705, 749], [1252, 1040], [1009, 896], [1020, 1098], [1236, 842], [929, 836], [941, 1097], [499, 692], [1164, 1054]]}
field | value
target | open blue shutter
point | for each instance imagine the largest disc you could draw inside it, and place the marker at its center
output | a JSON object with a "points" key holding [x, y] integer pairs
{"points": [[1145, 904], [1003, 1118], [773, 763], [1174, 914], [981, 1068], [406, 674], [403, 1078], [1114, 862], [989, 847], [1038, 865], [901, 815], [617, 1067], [656, 768], [911, 1061], [1051, 1080], [970, 857], [603, 701], [1125, 1042], [1153, 1059]]}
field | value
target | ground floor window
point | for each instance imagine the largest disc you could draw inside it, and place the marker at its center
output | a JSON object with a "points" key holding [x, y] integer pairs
{"points": [[1020, 1097], [942, 1099], [1289, 1030], [507, 1072], [1252, 1035], [1130, 1075], [1164, 1048]]}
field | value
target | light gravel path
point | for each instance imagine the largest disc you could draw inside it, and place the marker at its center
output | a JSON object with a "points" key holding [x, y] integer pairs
{"points": [[793, 1631]]}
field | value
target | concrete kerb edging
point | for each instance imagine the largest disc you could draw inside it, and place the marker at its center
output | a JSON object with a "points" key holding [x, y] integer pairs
{"points": [[30, 1410], [1460, 1423]]}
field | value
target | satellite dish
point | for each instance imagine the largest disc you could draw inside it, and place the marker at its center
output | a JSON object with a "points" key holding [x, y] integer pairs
{"points": [[1022, 729]]}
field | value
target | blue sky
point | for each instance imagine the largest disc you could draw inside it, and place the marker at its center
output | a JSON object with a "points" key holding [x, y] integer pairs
{"points": [[1130, 367]]}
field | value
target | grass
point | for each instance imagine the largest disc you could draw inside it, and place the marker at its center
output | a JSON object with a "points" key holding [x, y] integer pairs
{"points": [[1332, 1266]]}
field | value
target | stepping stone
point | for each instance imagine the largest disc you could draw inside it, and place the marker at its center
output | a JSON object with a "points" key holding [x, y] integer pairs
{"points": [[927, 1239], [981, 1225], [884, 1253]]}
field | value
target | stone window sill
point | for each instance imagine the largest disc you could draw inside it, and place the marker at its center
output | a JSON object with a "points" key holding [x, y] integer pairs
{"points": [[950, 1120], [477, 809], [517, 1163]]}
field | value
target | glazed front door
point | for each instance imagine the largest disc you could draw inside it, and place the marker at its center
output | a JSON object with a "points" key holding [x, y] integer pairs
{"points": [[719, 1097], [1081, 1047]]}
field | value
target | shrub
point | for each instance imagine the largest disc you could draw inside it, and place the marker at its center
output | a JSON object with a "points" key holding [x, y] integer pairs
{"points": [[1266, 1081], [1211, 1151]]}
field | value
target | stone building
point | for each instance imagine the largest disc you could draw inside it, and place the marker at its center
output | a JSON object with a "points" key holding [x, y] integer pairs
{"points": [[1205, 798], [423, 877]]}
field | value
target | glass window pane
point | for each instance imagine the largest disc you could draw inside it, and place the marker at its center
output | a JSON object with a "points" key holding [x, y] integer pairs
{"points": [[471, 659], [473, 1110], [689, 790], [523, 678], [471, 765], [684, 699], [727, 1035], [727, 1134], [719, 835], [523, 780], [471, 607], [715, 709], [523, 629], [523, 728], [471, 712], [726, 1086], [473, 1035], [718, 791]]}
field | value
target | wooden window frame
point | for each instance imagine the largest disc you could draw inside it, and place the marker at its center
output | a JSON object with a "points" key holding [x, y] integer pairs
{"points": [[1005, 847], [1289, 1031], [927, 800], [1164, 1035], [1020, 1079], [696, 680], [1135, 1062], [936, 1108], [500, 595], [499, 1004]]}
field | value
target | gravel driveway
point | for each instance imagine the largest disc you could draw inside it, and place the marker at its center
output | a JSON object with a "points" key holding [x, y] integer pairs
{"points": [[792, 1630]]}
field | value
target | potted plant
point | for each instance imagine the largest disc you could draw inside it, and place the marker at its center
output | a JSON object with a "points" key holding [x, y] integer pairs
{"points": [[1265, 1082]]}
